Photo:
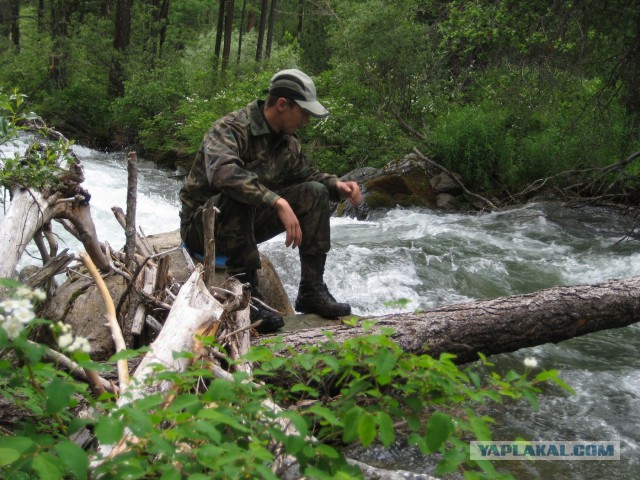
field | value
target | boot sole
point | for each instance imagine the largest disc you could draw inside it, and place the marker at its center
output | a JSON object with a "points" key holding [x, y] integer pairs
{"points": [[323, 314]]}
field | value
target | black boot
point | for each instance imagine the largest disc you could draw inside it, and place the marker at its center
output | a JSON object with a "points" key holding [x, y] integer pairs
{"points": [[313, 294], [271, 321]]}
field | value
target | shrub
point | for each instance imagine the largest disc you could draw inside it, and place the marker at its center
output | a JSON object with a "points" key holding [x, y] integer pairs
{"points": [[207, 427]]}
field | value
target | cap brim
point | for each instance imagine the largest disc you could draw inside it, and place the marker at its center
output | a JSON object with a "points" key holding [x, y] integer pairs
{"points": [[315, 108]]}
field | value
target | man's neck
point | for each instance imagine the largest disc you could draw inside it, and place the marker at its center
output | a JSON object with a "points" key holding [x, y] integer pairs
{"points": [[271, 117]]}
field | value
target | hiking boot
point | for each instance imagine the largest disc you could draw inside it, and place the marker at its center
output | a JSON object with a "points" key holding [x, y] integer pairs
{"points": [[271, 321], [313, 294]]}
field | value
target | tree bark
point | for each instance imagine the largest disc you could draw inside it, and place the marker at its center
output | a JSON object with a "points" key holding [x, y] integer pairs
{"points": [[121, 40], [228, 30], [501, 325], [15, 23], [272, 23], [219, 33], [241, 30], [261, 29]]}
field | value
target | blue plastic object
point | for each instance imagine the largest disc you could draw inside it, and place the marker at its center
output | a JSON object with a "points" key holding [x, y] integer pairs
{"points": [[221, 260]]}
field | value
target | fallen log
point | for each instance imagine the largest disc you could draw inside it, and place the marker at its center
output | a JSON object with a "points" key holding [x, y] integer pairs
{"points": [[500, 325]]}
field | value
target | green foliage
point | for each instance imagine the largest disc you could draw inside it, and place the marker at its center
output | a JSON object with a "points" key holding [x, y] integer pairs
{"points": [[364, 391], [509, 91], [354, 135], [39, 165], [527, 129]]}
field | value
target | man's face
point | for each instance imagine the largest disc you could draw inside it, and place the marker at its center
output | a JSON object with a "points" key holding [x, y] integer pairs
{"points": [[292, 117]]}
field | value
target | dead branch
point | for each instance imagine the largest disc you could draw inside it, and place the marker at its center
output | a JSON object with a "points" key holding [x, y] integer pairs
{"points": [[116, 333]]}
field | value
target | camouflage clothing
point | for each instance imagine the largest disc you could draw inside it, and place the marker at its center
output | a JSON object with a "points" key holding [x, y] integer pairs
{"points": [[243, 169]]}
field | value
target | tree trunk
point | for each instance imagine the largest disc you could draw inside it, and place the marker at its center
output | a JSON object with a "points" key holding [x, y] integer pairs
{"points": [[219, 34], [158, 26], [228, 30], [300, 20], [261, 30], [121, 40], [15, 23], [241, 30], [272, 22], [501, 325]]}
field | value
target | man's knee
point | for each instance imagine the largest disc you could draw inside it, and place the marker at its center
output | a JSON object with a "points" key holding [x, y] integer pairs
{"points": [[314, 195]]}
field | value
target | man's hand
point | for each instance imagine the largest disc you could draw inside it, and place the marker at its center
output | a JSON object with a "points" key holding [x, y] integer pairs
{"points": [[351, 191], [290, 223]]}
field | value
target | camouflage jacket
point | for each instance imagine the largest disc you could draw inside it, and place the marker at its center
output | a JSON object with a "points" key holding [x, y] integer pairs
{"points": [[241, 157]]}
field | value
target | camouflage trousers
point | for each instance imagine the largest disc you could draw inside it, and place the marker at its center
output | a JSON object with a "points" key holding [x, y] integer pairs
{"points": [[240, 227]]}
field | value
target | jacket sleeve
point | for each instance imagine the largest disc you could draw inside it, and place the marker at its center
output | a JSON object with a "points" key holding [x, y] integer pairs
{"points": [[223, 147], [304, 170]]}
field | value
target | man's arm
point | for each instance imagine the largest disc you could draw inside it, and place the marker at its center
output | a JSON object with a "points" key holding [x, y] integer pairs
{"points": [[290, 223]]}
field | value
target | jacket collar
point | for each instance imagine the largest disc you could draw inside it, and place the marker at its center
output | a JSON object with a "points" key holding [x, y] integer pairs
{"points": [[259, 125]]}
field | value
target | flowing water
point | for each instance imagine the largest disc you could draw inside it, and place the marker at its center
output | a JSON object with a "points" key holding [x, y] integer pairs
{"points": [[409, 259]]}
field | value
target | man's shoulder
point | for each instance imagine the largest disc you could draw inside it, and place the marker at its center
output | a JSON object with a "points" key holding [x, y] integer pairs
{"points": [[240, 117], [247, 119]]}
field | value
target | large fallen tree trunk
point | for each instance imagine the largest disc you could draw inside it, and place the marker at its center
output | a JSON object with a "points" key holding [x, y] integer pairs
{"points": [[501, 325]]}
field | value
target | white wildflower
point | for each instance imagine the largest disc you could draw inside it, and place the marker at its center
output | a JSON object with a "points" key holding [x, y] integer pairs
{"points": [[23, 292], [12, 326], [23, 315], [39, 295], [80, 344], [530, 362], [14, 304], [65, 340]]}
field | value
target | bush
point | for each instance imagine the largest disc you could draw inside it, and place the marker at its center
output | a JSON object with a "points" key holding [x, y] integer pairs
{"points": [[207, 427]]}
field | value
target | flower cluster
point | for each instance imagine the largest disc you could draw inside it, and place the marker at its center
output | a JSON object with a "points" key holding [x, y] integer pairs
{"points": [[66, 340], [16, 313]]}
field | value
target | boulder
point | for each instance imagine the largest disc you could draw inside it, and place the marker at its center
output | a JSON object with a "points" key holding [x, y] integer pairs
{"points": [[404, 182], [443, 183], [270, 283], [78, 302]]}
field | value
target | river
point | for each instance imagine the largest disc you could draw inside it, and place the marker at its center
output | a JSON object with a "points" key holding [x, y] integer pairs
{"points": [[409, 259]]}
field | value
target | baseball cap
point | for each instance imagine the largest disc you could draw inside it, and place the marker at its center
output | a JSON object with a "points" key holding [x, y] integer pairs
{"points": [[297, 85]]}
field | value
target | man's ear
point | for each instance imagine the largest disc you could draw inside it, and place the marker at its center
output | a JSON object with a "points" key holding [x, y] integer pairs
{"points": [[282, 104]]}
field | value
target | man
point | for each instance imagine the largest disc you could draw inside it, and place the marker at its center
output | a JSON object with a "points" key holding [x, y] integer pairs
{"points": [[250, 166]]}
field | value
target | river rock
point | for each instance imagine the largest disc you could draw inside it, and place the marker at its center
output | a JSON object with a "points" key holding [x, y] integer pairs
{"points": [[404, 182], [78, 302]]}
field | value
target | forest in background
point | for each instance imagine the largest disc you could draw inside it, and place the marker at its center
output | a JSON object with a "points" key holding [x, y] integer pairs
{"points": [[502, 91]]}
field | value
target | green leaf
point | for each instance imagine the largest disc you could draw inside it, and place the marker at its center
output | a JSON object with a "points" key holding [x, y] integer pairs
{"points": [[327, 451], [438, 430], [209, 430], [384, 364], [325, 414], [74, 457], [47, 467], [386, 432], [366, 429], [59, 395], [189, 402], [351, 424], [125, 355], [109, 430], [218, 417], [451, 461], [139, 422], [8, 456]]}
